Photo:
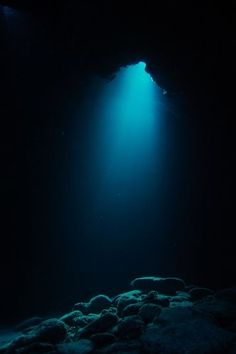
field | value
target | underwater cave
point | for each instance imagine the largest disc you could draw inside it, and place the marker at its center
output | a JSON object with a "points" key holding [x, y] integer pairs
{"points": [[117, 232]]}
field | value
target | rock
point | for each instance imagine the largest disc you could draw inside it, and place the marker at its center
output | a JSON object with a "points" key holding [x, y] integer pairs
{"points": [[199, 293], [224, 312], [72, 318], [125, 299], [30, 322], [227, 294], [124, 302], [149, 311], [181, 299], [134, 294], [81, 306], [189, 287], [82, 321], [36, 348], [18, 343], [111, 309], [158, 316], [131, 309], [98, 303], [50, 331], [102, 339], [123, 347], [188, 337], [83, 346], [100, 324], [181, 304], [129, 327], [155, 298], [92, 317], [180, 296], [179, 314], [167, 286]]}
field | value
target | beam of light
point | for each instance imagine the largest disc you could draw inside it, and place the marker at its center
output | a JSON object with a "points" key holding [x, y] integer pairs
{"points": [[128, 135], [119, 156]]}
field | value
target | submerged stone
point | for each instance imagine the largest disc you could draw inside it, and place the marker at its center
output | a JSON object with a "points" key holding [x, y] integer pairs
{"points": [[129, 327], [167, 286], [102, 339], [36, 348], [81, 306], [224, 312], [83, 346], [131, 309], [30, 322], [155, 298], [180, 314], [100, 324], [124, 302], [72, 318], [161, 316], [123, 347], [199, 293], [188, 337], [98, 303], [133, 294], [51, 331], [149, 311]]}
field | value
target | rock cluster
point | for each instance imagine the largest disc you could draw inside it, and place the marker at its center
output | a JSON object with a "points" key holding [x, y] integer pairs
{"points": [[159, 315]]}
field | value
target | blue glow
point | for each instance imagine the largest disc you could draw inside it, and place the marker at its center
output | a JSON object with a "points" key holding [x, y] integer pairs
{"points": [[126, 146]]}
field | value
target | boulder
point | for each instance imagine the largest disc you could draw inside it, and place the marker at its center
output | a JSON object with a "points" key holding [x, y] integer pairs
{"points": [[72, 318], [16, 344], [176, 315], [91, 317], [50, 331], [81, 306], [156, 298], [30, 322], [224, 312], [149, 311], [134, 294], [167, 286], [102, 339], [98, 303], [36, 348], [100, 324], [131, 309], [199, 293], [111, 309], [180, 296], [181, 304], [123, 347], [129, 327], [124, 302], [188, 337], [83, 346]]}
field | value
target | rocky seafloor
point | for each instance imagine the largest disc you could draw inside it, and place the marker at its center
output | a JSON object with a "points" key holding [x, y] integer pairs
{"points": [[157, 315]]}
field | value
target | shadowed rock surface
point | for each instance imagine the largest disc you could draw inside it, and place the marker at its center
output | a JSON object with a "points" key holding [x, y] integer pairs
{"points": [[137, 322]]}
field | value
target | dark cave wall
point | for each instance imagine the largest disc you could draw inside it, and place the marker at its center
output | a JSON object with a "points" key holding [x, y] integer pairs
{"points": [[187, 49]]}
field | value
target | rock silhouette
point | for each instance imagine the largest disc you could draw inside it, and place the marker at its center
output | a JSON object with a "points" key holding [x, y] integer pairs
{"points": [[175, 319]]}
